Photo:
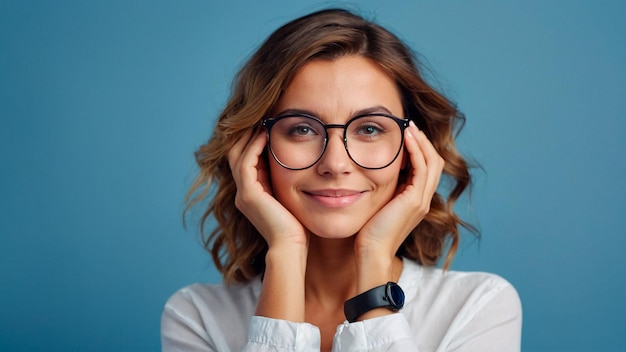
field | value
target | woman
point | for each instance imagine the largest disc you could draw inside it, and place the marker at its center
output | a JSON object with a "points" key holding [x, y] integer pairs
{"points": [[323, 171]]}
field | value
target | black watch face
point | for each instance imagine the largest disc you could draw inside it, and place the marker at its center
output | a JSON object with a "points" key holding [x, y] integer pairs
{"points": [[397, 296]]}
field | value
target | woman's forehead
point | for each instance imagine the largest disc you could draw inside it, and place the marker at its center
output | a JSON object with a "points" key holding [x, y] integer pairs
{"points": [[344, 87]]}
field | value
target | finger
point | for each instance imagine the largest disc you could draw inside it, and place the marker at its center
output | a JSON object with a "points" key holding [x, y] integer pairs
{"points": [[249, 161], [236, 150], [434, 163], [253, 148], [418, 171]]}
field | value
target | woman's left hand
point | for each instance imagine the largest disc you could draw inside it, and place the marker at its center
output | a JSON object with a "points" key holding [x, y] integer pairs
{"points": [[380, 238]]}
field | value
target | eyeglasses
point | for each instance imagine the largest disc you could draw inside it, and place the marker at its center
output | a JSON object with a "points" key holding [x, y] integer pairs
{"points": [[372, 141]]}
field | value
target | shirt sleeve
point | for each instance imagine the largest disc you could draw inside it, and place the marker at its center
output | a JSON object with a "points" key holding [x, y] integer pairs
{"points": [[180, 331], [496, 326], [387, 333], [267, 334]]}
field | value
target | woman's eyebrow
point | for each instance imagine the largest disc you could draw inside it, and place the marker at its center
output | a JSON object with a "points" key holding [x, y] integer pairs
{"points": [[370, 110], [296, 112]]}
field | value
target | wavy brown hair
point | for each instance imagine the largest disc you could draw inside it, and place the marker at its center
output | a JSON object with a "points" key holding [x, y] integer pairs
{"points": [[237, 248]]}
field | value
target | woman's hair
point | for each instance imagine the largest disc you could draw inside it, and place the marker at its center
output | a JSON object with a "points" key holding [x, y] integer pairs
{"points": [[237, 248]]}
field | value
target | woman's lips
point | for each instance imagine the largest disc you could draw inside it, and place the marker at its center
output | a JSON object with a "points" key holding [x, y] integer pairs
{"points": [[334, 198]]}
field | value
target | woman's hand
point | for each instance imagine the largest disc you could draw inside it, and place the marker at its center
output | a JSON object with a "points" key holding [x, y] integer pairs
{"points": [[254, 193], [380, 238], [287, 239]]}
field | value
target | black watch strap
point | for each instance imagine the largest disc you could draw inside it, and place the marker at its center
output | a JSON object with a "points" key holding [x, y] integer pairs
{"points": [[389, 295]]}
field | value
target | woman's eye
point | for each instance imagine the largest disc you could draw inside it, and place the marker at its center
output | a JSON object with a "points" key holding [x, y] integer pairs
{"points": [[301, 130], [369, 130]]}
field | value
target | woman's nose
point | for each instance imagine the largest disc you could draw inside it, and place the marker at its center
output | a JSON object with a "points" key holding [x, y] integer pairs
{"points": [[335, 159]]}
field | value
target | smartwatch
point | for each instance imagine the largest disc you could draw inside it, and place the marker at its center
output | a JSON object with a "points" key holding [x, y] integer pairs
{"points": [[389, 295]]}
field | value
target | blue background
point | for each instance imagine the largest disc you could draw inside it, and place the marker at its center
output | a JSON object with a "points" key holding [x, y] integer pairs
{"points": [[102, 104]]}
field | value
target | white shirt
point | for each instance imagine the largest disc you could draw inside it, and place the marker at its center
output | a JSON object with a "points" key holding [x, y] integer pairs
{"points": [[443, 311]]}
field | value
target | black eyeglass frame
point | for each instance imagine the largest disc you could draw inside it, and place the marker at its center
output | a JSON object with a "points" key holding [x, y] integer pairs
{"points": [[269, 122]]}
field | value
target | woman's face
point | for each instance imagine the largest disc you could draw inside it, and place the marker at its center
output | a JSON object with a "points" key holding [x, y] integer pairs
{"points": [[335, 197]]}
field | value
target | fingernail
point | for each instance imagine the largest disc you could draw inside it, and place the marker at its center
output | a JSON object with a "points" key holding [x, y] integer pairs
{"points": [[413, 124]]}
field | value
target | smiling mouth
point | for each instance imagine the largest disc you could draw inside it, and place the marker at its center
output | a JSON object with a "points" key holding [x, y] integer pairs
{"points": [[335, 198]]}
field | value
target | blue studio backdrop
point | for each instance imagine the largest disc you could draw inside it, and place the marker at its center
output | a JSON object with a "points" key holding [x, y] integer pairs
{"points": [[102, 104]]}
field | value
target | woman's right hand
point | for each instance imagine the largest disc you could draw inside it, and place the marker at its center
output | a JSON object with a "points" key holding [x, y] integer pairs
{"points": [[286, 238], [254, 194]]}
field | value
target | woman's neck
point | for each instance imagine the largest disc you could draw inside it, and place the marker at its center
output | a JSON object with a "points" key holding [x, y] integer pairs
{"points": [[331, 271]]}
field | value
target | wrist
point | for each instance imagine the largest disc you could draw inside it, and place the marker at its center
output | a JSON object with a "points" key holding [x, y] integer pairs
{"points": [[374, 270], [277, 300], [288, 260]]}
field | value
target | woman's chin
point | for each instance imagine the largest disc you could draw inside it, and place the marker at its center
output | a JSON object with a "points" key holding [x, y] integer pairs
{"points": [[333, 232], [334, 236]]}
